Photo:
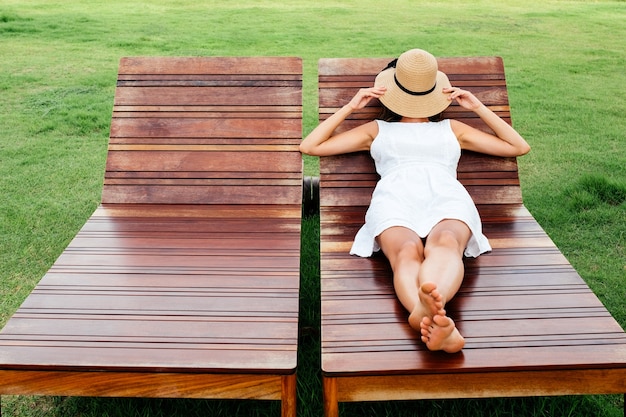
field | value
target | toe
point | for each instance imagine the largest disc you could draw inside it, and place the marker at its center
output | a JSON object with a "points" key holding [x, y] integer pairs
{"points": [[442, 320], [428, 287]]}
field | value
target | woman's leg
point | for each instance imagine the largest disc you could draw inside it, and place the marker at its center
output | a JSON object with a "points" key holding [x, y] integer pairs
{"points": [[443, 257], [426, 277], [440, 277], [405, 251]]}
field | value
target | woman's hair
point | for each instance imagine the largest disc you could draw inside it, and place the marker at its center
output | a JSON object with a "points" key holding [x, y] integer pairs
{"points": [[389, 116]]}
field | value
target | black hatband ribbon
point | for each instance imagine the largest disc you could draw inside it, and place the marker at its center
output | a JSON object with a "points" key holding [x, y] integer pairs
{"points": [[413, 93]]}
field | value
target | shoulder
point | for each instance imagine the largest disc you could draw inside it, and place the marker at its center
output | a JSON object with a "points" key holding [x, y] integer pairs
{"points": [[458, 127], [371, 128], [361, 136]]}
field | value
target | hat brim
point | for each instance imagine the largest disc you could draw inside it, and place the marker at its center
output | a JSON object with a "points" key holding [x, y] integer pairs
{"points": [[408, 105]]}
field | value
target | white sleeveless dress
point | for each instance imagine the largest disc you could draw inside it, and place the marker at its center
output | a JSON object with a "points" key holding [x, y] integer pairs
{"points": [[418, 187]]}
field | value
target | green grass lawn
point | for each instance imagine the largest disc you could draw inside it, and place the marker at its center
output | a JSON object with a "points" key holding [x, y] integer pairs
{"points": [[565, 64]]}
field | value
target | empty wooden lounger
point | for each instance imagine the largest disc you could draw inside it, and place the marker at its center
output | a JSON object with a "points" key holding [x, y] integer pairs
{"points": [[184, 282], [532, 325]]}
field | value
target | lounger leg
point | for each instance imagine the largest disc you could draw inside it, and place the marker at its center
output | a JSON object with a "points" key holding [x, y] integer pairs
{"points": [[288, 400], [331, 406]]}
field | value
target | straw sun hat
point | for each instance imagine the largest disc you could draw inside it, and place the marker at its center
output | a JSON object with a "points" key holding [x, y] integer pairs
{"points": [[414, 85]]}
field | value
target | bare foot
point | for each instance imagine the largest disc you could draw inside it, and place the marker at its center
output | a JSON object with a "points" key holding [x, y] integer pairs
{"points": [[440, 333], [430, 305], [430, 298]]}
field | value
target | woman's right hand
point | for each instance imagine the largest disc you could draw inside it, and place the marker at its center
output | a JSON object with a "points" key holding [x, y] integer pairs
{"points": [[365, 95]]}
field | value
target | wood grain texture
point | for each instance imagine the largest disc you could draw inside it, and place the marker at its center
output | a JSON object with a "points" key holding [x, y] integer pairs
{"points": [[185, 281], [532, 325]]}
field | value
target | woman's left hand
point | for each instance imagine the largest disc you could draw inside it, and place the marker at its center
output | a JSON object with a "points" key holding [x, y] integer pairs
{"points": [[465, 99]]}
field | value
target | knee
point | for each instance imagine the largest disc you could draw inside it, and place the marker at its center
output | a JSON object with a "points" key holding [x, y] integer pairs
{"points": [[445, 239], [409, 251]]}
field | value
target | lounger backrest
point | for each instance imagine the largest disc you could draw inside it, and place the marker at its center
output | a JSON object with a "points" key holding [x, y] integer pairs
{"points": [[192, 135], [348, 180]]}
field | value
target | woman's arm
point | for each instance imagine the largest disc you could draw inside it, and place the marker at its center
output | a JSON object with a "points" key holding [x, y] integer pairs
{"points": [[506, 142], [321, 142]]}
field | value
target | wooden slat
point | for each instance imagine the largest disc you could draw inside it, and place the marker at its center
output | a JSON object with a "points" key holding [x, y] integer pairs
{"points": [[200, 159], [526, 314], [204, 127], [215, 67], [269, 98]]}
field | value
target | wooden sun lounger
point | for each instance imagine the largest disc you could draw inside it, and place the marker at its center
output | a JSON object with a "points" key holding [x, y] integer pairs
{"points": [[532, 325], [184, 282]]}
